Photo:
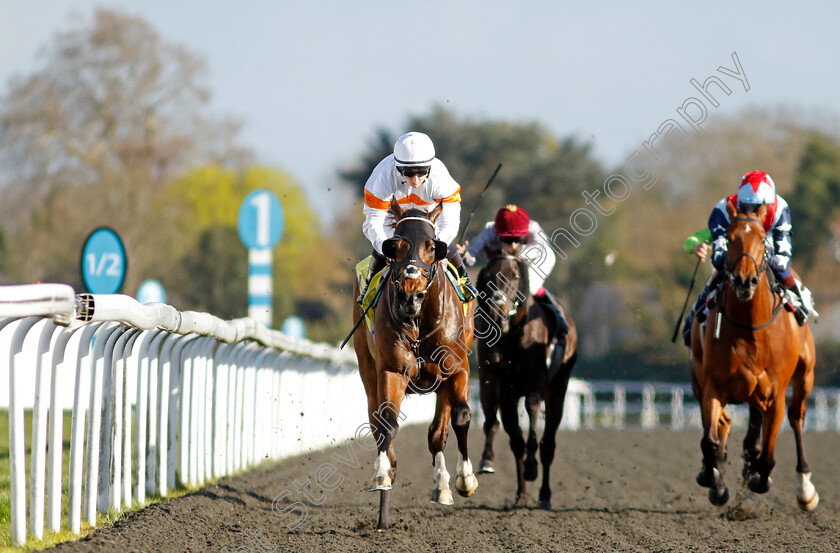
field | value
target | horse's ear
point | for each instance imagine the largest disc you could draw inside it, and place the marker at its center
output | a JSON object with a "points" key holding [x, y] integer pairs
{"points": [[395, 209], [389, 247], [762, 211], [731, 209], [435, 213], [441, 249]]}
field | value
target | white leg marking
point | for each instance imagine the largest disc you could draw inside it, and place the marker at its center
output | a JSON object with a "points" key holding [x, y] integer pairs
{"points": [[381, 480], [806, 493], [465, 481], [441, 493]]}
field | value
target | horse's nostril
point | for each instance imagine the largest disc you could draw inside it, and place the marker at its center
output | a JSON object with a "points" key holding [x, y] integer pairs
{"points": [[754, 281]]}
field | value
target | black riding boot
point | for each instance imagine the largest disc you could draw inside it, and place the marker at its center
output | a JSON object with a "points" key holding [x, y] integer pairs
{"points": [[689, 319], [548, 303], [455, 258], [377, 263]]}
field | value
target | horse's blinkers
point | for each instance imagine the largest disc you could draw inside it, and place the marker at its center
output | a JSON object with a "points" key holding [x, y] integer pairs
{"points": [[413, 267]]}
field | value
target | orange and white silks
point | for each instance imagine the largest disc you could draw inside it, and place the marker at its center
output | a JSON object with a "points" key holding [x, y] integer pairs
{"points": [[385, 183]]}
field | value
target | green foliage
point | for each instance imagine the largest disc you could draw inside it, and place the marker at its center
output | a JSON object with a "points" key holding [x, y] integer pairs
{"points": [[211, 271], [816, 197]]}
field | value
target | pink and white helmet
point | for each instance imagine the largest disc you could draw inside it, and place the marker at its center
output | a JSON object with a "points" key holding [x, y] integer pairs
{"points": [[756, 188]]}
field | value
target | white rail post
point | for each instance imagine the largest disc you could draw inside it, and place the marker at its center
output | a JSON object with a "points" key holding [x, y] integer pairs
{"points": [[129, 360], [98, 449], [178, 414], [17, 451], [619, 405], [43, 330], [220, 409], [145, 412], [209, 373], [677, 412], [821, 408], [157, 415], [650, 417], [230, 439], [837, 411], [189, 439], [83, 391], [56, 430]]}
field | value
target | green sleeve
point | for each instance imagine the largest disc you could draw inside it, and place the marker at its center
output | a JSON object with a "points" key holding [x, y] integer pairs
{"points": [[702, 235]]}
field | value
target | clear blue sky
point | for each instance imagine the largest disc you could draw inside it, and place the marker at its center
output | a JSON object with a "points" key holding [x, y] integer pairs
{"points": [[312, 80]]}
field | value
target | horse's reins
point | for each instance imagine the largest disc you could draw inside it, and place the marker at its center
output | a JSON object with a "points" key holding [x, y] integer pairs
{"points": [[759, 269], [425, 269]]}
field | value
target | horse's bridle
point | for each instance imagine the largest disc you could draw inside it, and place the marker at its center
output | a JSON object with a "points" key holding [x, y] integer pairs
{"points": [[728, 268], [758, 268], [517, 303], [413, 268]]}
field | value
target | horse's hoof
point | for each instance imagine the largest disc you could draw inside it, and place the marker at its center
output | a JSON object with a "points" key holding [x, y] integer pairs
{"points": [[530, 471], [466, 485], [486, 466], [806, 493], [809, 504], [718, 499], [706, 479], [544, 504], [756, 484], [521, 501], [442, 497], [380, 484]]}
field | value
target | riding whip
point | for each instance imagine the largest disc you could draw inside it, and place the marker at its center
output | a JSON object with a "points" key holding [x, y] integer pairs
{"points": [[486, 186], [362, 318], [687, 296]]}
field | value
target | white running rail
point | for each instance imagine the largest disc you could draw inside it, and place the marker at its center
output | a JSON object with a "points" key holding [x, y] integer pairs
{"points": [[157, 397]]}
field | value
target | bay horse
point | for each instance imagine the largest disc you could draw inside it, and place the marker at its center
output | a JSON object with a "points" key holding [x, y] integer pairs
{"points": [[420, 343], [756, 352], [513, 363]]}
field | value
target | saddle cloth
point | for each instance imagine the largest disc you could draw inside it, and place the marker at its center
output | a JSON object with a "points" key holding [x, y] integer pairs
{"points": [[376, 282]]}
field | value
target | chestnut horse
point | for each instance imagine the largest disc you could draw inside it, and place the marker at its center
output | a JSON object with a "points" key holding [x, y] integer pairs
{"points": [[751, 350], [420, 342], [512, 361]]}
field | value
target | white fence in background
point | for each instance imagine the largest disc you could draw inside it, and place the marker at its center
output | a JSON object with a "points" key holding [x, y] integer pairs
{"points": [[157, 397], [663, 405]]}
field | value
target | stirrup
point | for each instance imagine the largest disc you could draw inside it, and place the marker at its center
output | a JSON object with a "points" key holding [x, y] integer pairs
{"points": [[473, 291], [800, 315]]}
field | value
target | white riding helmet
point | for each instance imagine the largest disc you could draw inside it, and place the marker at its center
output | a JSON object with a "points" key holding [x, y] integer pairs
{"points": [[414, 149], [756, 188]]}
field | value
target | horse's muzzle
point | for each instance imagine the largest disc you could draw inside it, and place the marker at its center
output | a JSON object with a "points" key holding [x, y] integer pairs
{"points": [[410, 303], [744, 286]]}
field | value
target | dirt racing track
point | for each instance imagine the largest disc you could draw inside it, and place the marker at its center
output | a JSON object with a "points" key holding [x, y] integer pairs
{"points": [[613, 490]]}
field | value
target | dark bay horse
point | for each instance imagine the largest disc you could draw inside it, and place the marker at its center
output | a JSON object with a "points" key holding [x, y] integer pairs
{"points": [[757, 350], [512, 361], [420, 343]]}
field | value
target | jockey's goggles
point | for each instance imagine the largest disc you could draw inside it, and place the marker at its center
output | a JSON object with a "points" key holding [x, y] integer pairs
{"points": [[414, 171], [512, 239]]}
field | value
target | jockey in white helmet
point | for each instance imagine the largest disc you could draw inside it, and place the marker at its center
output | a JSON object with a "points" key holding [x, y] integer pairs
{"points": [[417, 179]]}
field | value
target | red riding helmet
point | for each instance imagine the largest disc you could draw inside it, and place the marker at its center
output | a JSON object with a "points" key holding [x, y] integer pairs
{"points": [[512, 221]]}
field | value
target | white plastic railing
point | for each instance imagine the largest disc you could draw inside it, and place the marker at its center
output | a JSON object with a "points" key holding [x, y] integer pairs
{"points": [[156, 397], [664, 405]]}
